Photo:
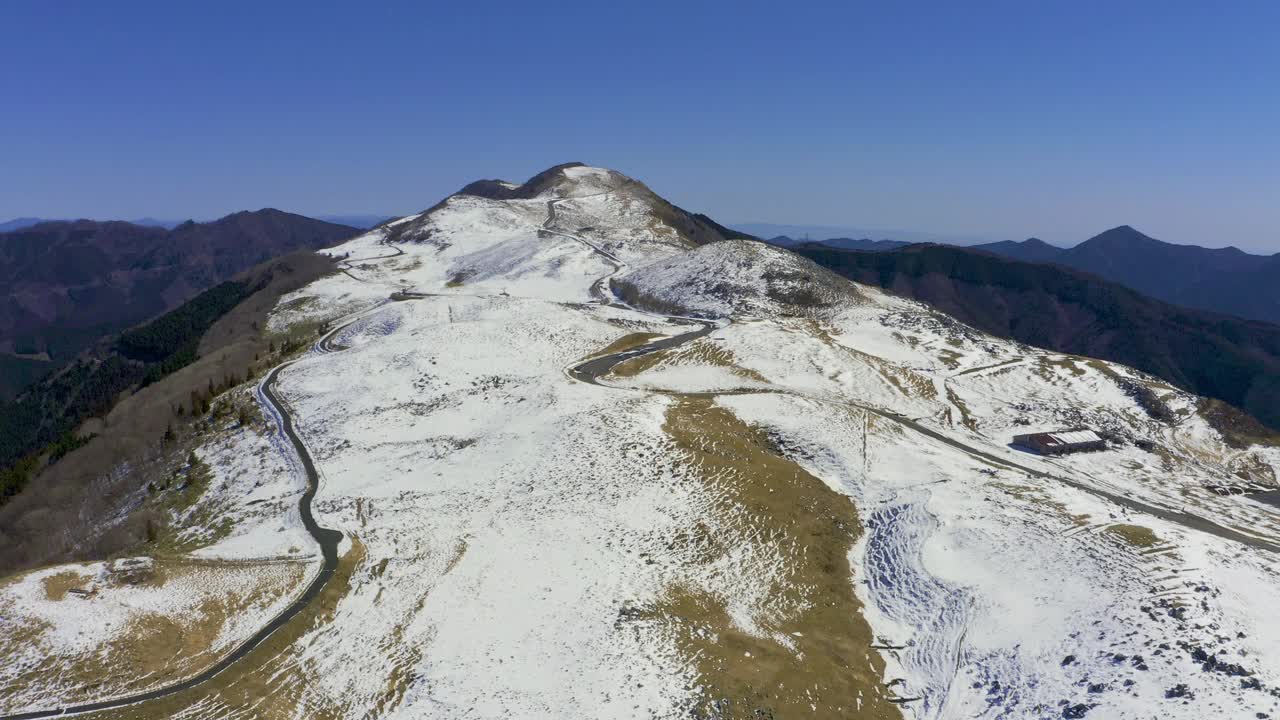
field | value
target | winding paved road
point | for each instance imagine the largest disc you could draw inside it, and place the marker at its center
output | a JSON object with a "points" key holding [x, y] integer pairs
{"points": [[346, 267], [326, 538], [1185, 519], [590, 371], [593, 370]]}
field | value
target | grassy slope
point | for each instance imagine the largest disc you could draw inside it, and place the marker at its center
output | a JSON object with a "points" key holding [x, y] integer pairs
{"points": [[1218, 356], [131, 431]]}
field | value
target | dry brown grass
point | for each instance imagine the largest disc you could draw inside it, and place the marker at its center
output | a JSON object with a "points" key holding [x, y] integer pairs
{"points": [[830, 670], [950, 358], [905, 380], [1038, 498], [1046, 366], [965, 416], [153, 649], [270, 682], [1253, 468], [1136, 535], [699, 352], [625, 343], [57, 585], [638, 365]]}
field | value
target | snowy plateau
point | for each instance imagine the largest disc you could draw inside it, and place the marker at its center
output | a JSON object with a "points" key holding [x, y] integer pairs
{"points": [[591, 460]]}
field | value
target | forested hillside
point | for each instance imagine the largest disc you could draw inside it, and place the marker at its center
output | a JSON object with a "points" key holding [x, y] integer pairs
{"points": [[1218, 279], [47, 413], [65, 285], [120, 401]]}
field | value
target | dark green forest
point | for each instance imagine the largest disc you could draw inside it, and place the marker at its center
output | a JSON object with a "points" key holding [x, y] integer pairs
{"points": [[38, 426], [176, 331]]}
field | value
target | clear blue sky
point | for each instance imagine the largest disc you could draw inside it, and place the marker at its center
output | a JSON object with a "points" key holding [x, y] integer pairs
{"points": [[1003, 119]]}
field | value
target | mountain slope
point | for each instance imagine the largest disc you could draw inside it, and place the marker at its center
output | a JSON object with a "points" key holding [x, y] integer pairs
{"points": [[1030, 250], [1234, 360], [65, 284], [554, 503], [736, 277], [19, 223], [116, 407], [843, 243], [1225, 280]]}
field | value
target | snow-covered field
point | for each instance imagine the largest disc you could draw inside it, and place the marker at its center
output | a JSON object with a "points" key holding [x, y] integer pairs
{"points": [[77, 632], [524, 545], [238, 556]]}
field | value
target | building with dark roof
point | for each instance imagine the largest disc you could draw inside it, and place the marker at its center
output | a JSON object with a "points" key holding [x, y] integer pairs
{"points": [[1061, 442]]}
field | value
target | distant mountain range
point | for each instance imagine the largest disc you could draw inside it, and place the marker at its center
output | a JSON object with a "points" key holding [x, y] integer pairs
{"points": [[26, 222], [1226, 280], [66, 284], [844, 243], [364, 222], [818, 232], [1066, 310], [356, 221]]}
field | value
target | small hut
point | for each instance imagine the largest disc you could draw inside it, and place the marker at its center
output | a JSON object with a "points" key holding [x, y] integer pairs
{"points": [[1061, 442], [130, 571]]}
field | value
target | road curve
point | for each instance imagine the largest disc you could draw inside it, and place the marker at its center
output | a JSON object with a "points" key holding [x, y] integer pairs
{"points": [[345, 266], [591, 371], [326, 538], [1185, 519]]}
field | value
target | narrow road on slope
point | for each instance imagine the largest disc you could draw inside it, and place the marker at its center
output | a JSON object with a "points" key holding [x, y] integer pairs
{"points": [[326, 538], [346, 267], [591, 371], [1185, 519], [597, 287]]}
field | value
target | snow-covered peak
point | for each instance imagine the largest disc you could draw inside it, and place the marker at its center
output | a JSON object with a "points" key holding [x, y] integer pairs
{"points": [[570, 180], [562, 216]]}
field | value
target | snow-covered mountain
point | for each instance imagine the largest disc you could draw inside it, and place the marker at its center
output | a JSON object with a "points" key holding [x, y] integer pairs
{"points": [[591, 460]]}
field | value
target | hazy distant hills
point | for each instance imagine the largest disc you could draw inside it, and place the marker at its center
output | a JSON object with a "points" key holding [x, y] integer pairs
{"points": [[1225, 280], [65, 284], [363, 222], [844, 243], [1067, 310], [19, 223], [26, 222], [818, 232], [1031, 250]]}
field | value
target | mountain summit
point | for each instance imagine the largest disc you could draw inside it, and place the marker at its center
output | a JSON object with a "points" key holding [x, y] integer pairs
{"points": [[559, 449]]}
